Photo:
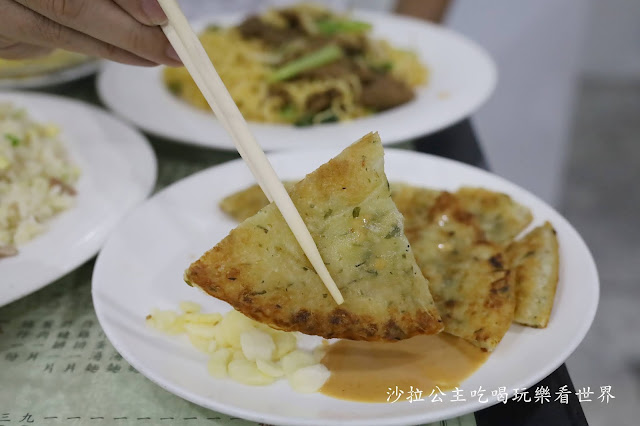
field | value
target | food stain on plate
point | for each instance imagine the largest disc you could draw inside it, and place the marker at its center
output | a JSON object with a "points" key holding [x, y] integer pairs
{"points": [[365, 371]]}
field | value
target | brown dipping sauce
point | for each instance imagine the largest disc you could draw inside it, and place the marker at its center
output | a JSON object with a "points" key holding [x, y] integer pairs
{"points": [[364, 371]]}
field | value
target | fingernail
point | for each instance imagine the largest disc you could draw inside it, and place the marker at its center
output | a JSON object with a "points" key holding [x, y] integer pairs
{"points": [[154, 12], [172, 54]]}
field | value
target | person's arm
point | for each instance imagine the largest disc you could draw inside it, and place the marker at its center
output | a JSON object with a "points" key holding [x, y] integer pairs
{"points": [[121, 30], [431, 10]]}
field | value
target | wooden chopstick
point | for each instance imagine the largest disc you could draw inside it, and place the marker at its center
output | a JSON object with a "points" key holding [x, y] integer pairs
{"points": [[195, 72], [186, 43]]}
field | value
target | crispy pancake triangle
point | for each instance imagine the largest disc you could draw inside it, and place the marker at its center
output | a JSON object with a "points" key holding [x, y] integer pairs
{"points": [[467, 273], [534, 262], [260, 269]]}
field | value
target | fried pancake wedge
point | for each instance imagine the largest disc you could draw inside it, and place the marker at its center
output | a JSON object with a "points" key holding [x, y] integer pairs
{"points": [[534, 262], [499, 216], [260, 269], [243, 204], [467, 274]]}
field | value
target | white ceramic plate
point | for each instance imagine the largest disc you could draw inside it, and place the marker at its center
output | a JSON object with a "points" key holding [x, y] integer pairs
{"points": [[52, 78], [141, 267], [118, 171], [462, 78]]}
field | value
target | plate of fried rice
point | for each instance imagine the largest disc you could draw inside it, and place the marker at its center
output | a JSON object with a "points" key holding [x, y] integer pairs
{"points": [[68, 173]]}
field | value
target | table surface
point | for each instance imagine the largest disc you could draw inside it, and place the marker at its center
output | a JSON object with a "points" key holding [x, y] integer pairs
{"points": [[66, 372]]}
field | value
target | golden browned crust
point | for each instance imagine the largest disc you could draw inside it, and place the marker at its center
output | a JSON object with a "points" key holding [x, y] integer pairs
{"points": [[499, 216], [262, 272], [535, 263]]}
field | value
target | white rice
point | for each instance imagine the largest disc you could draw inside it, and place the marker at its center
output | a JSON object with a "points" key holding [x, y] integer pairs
{"points": [[33, 162]]}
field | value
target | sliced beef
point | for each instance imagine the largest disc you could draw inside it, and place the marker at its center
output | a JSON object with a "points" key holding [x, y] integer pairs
{"points": [[8, 251], [278, 91], [321, 101], [312, 43], [352, 44], [385, 92], [365, 73], [292, 17], [254, 27], [337, 69]]}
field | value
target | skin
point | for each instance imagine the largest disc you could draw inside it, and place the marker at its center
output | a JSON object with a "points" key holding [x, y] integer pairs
{"points": [[126, 31], [432, 10]]}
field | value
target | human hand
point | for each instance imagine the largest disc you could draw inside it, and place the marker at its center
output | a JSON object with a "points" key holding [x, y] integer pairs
{"points": [[126, 31]]}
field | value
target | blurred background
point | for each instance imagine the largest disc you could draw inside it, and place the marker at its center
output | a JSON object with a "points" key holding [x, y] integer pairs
{"points": [[564, 123]]}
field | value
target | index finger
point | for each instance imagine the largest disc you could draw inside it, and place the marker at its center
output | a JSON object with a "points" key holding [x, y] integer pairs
{"points": [[106, 21], [146, 12]]}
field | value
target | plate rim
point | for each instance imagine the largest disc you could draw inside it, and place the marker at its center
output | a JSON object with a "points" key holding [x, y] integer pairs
{"points": [[448, 412], [93, 110], [257, 127], [54, 78]]}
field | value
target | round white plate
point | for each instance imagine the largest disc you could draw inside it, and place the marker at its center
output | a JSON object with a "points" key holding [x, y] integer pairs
{"points": [[462, 78], [141, 267], [118, 171], [53, 78]]}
